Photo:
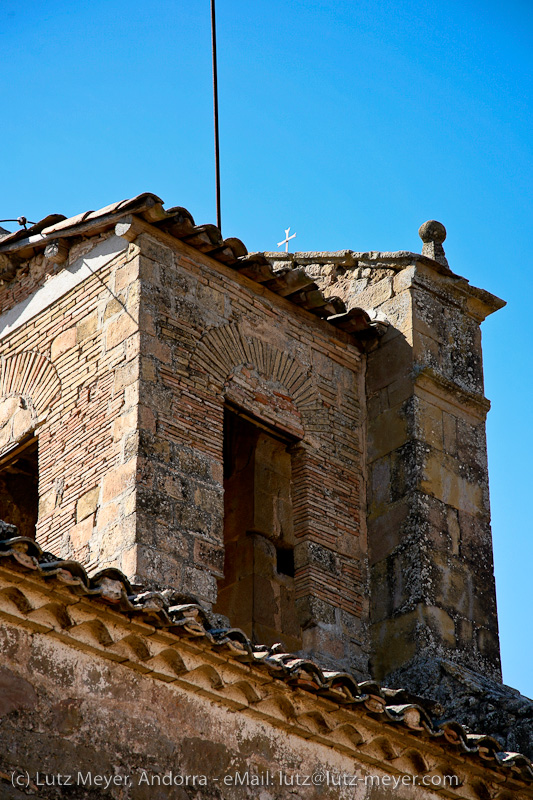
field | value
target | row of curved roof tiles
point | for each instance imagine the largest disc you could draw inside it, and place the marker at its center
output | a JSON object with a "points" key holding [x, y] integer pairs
{"points": [[184, 616], [290, 282]]}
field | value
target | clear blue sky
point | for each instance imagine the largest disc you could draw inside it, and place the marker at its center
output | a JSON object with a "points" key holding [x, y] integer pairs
{"points": [[352, 122]]}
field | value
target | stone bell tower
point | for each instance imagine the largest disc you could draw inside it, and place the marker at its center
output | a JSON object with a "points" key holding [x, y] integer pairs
{"points": [[296, 440], [191, 417]]}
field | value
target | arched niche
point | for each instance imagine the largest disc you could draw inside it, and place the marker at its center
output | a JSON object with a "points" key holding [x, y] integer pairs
{"points": [[269, 397], [28, 385]]}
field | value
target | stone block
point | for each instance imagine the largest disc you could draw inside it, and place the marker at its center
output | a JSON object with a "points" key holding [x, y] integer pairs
{"points": [[373, 295], [404, 279], [385, 531], [120, 329], [128, 560], [147, 420], [131, 394], [464, 629], [125, 375], [379, 486], [119, 537], [405, 576], [217, 472], [398, 312], [380, 595], [394, 643], [441, 625], [156, 251], [63, 342], [148, 370], [400, 390], [23, 423], [81, 533], [124, 424], [146, 321], [238, 566], [173, 487], [484, 605], [87, 504], [329, 643], [452, 585], [386, 433], [87, 327], [113, 307], [47, 503], [290, 625], [471, 444], [449, 423], [126, 274], [265, 609], [129, 504], [429, 424], [198, 582], [8, 407], [264, 555], [454, 530], [133, 297], [210, 556], [209, 500], [107, 515], [118, 480], [163, 570], [475, 537], [427, 352], [441, 480], [390, 362], [488, 644], [313, 611], [5, 438], [211, 299]]}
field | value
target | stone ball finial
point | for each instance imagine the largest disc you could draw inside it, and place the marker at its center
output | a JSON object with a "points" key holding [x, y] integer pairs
{"points": [[432, 231], [433, 234]]}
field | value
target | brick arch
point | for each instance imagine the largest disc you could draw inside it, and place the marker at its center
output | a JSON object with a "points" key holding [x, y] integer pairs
{"points": [[30, 375], [226, 349]]}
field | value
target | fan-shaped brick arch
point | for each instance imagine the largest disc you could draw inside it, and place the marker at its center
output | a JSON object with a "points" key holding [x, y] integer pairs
{"points": [[226, 348], [32, 375]]}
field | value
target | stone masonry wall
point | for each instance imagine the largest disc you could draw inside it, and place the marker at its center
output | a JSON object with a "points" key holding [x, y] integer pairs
{"points": [[76, 725], [430, 548], [210, 337], [124, 376], [70, 372]]}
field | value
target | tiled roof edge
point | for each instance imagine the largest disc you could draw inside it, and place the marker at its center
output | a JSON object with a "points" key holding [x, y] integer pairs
{"points": [[183, 616], [290, 282]]}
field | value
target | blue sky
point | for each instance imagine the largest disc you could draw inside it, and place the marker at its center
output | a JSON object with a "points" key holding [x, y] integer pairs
{"points": [[352, 122]]}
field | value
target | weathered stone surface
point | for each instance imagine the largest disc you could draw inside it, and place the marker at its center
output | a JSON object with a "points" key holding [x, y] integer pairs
{"points": [[15, 693], [433, 234], [426, 460], [474, 699], [88, 503]]}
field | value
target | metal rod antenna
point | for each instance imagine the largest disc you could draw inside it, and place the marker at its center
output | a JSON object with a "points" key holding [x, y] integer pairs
{"points": [[215, 111]]}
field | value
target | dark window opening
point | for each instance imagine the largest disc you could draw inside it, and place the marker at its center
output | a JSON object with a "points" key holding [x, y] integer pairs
{"points": [[19, 495], [285, 561], [257, 591]]}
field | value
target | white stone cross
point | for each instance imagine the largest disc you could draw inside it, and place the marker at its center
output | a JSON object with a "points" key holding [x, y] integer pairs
{"points": [[286, 240]]}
